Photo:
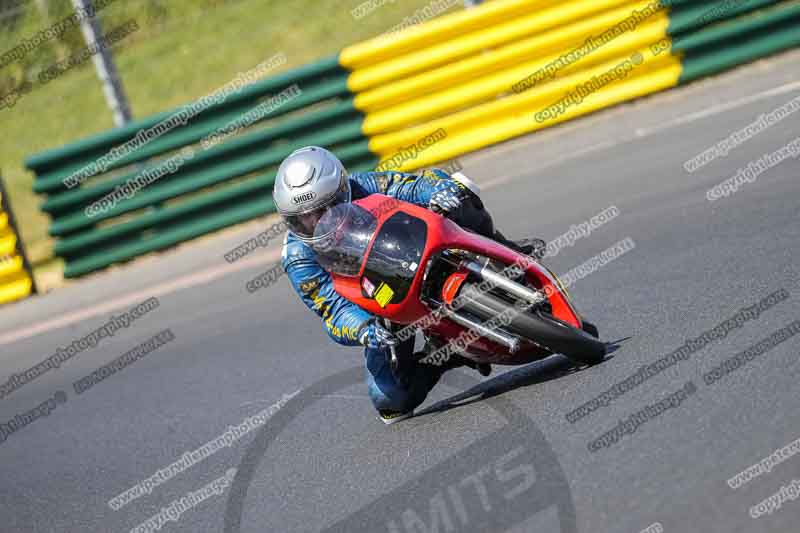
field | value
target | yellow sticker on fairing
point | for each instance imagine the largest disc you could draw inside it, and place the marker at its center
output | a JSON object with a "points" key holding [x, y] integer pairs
{"points": [[384, 295]]}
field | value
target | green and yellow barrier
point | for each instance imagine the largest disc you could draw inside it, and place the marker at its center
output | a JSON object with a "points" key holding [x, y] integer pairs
{"points": [[451, 85], [16, 281], [512, 68]]}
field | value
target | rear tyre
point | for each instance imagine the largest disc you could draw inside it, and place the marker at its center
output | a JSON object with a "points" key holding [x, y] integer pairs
{"points": [[537, 326]]}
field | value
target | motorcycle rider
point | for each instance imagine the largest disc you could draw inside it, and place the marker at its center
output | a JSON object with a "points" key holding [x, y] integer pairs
{"points": [[312, 180]]}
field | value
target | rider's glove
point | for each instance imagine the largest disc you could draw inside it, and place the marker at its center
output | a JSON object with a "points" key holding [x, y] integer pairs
{"points": [[373, 335], [447, 199]]}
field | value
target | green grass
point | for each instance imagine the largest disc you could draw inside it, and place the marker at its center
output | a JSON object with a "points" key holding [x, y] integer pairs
{"points": [[184, 50]]}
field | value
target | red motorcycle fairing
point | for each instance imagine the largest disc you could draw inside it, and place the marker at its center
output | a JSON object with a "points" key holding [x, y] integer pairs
{"points": [[445, 234]]}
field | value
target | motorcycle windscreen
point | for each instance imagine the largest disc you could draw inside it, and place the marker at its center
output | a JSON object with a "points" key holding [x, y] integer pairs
{"points": [[394, 258], [341, 238]]}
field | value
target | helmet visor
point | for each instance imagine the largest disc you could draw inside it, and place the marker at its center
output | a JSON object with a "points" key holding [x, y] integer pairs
{"points": [[304, 224]]}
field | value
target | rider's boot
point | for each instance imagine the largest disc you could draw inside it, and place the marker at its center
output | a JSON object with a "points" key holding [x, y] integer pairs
{"points": [[536, 248]]}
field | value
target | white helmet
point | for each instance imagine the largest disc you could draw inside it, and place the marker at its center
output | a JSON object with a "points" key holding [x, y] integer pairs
{"points": [[309, 182]]}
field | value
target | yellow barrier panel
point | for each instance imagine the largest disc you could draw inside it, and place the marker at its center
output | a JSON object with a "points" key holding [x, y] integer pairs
{"points": [[514, 116], [15, 281], [489, 87], [554, 42], [8, 243], [15, 288], [10, 265], [429, 57], [442, 28]]}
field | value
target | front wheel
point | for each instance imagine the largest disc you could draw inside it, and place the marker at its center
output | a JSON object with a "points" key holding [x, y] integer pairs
{"points": [[538, 327]]}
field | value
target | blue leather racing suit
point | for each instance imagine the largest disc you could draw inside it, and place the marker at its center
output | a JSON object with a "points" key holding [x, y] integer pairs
{"points": [[343, 319]]}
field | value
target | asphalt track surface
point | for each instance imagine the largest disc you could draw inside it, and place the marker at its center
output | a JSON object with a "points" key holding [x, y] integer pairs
{"points": [[494, 454]]}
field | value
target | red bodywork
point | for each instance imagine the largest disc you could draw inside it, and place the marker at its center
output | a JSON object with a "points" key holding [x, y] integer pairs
{"points": [[445, 234]]}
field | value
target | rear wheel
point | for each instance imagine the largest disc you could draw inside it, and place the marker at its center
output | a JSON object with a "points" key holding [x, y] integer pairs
{"points": [[537, 326]]}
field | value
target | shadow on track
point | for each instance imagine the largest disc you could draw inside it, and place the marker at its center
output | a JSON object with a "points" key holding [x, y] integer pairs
{"points": [[553, 367]]}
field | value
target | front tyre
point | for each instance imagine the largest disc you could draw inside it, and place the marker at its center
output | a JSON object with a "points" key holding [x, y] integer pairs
{"points": [[539, 327]]}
